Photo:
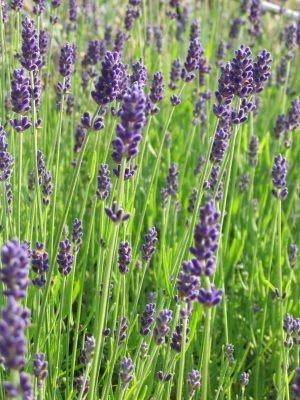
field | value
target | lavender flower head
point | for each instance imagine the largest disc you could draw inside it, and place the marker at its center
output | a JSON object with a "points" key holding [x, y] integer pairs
{"points": [[40, 264], [296, 385], [244, 378], [255, 18], [293, 117], [103, 182], [77, 233], [194, 380], [147, 319], [116, 213], [30, 51], [14, 274], [253, 150], [87, 352], [162, 326], [210, 297], [157, 88], [109, 84], [20, 91], [132, 117], [125, 257], [40, 368], [67, 59], [187, 282], [139, 73], [206, 239], [6, 159], [149, 245], [14, 321], [65, 257], [279, 173], [293, 254], [126, 370], [175, 73]]}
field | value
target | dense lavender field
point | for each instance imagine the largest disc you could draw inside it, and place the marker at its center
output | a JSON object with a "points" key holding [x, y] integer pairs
{"points": [[149, 219]]}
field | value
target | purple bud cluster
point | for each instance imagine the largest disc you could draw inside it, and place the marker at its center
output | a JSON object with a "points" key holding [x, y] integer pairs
{"points": [[30, 51], [95, 52], [296, 385], [161, 329], [40, 264], [149, 246], [14, 321], [254, 17], [206, 240], [110, 83], [15, 269], [77, 233], [194, 380], [6, 159], [279, 173], [147, 318], [65, 257], [87, 352], [125, 257], [116, 213], [132, 120], [241, 77], [103, 182], [139, 74], [126, 370], [40, 368]]}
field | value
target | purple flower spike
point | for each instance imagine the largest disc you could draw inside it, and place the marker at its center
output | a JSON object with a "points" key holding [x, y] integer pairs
{"points": [[6, 159], [87, 352], [261, 70], [15, 319], [67, 59], [157, 88], [95, 52], [281, 126], [116, 213], [139, 74], [110, 84], [14, 273], [147, 318], [279, 173], [77, 233], [162, 326], [65, 257], [73, 10], [44, 41], [126, 370], [244, 378], [20, 91], [194, 380], [235, 28], [40, 368], [125, 257], [195, 30], [30, 52], [206, 239], [149, 245], [210, 297], [40, 264], [296, 385], [187, 282], [253, 150], [175, 74], [80, 134], [293, 117], [219, 147], [242, 72], [133, 119], [103, 182], [20, 124], [255, 18], [293, 254], [17, 5]]}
